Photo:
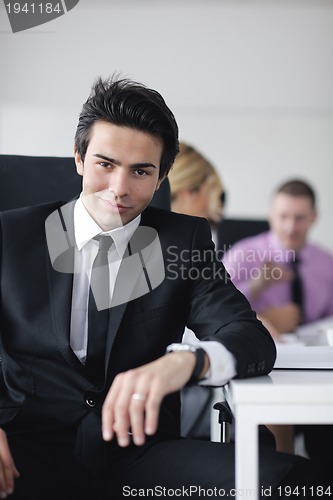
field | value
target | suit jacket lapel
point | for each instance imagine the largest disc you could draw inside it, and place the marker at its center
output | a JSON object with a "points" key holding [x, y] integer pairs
{"points": [[141, 270], [127, 278], [59, 229]]}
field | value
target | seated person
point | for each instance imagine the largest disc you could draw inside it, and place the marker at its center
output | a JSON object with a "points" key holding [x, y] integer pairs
{"points": [[263, 267]]}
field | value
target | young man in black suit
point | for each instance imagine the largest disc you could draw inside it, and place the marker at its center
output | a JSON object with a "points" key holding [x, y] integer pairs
{"points": [[89, 411]]}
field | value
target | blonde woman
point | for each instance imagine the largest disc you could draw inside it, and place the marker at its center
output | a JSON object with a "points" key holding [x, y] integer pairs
{"points": [[196, 188]]}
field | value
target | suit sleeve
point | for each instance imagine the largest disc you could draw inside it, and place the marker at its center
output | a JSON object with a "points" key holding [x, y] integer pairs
{"points": [[220, 312]]}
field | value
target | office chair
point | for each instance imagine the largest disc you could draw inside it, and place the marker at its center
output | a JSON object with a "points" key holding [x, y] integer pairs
{"points": [[230, 231]]}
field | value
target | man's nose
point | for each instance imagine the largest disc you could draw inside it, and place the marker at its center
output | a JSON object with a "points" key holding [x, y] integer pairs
{"points": [[291, 225], [119, 184]]}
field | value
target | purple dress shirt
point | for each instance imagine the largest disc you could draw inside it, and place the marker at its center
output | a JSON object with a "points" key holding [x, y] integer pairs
{"points": [[247, 256]]}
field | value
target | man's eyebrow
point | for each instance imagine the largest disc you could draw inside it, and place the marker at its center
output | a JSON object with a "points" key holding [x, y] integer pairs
{"points": [[117, 162], [106, 158]]}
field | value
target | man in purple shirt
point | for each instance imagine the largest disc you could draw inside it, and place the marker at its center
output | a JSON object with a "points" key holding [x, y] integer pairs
{"points": [[263, 266], [288, 282]]}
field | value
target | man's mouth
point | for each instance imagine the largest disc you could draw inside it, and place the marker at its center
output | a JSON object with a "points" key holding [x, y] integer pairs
{"points": [[116, 206]]}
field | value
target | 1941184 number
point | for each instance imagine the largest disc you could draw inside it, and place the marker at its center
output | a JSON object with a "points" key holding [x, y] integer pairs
{"points": [[302, 491], [34, 8]]}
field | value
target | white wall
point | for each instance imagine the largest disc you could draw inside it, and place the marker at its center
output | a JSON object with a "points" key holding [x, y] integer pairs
{"points": [[250, 82]]}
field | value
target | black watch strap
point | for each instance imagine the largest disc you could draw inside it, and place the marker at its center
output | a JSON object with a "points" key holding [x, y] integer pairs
{"points": [[199, 355], [199, 366]]}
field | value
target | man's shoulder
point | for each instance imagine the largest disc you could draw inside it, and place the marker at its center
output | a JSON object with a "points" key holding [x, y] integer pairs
{"points": [[22, 212], [261, 240], [319, 253], [29, 218]]}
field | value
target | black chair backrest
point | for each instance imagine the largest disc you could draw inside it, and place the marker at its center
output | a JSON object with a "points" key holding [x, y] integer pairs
{"points": [[30, 180], [232, 230]]}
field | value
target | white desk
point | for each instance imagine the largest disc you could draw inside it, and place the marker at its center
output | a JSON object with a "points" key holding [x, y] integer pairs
{"points": [[283, 397]]}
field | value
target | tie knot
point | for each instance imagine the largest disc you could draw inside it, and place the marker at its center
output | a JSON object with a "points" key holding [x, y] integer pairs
{"points": [[104, 243]]}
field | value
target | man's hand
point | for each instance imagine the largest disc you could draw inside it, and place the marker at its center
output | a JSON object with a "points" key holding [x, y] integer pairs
{"points": [[270, 327], [133, 402], [8, 471], [270, 273], [284, 318]]}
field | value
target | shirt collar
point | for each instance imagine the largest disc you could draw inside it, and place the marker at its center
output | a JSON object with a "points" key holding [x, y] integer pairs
{"points": [[85, 229]]}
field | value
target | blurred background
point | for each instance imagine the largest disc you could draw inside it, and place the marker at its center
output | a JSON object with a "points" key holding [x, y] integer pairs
{"points": [[250, 83]]}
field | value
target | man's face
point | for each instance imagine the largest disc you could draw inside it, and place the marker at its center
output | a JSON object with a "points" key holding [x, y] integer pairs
{"points": [[291, 218], [120, 173]]}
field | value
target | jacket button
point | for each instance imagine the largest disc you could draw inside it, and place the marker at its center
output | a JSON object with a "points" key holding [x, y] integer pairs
{"points": [[90, 402]]}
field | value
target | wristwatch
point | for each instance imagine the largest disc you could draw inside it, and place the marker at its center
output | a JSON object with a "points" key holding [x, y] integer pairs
{"points": [[199, 363]]}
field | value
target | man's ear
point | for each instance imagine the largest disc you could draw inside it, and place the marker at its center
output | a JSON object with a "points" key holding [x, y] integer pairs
{"points": [[314, 216], [78, 162]]}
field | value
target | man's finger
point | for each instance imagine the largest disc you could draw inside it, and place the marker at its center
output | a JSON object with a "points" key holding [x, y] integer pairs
{"points": [[152, 411], [137, 416], [8, 471]]}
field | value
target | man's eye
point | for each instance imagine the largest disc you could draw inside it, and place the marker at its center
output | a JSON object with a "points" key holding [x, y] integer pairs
{"points": [[104, 164], [140, 172]]}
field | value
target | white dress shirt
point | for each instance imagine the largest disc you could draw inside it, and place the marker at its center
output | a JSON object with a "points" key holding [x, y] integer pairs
{"points": [[222, 363], [85, 229]]}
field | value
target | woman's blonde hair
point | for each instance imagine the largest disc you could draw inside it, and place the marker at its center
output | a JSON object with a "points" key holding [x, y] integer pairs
{"points": [[189, 172]]}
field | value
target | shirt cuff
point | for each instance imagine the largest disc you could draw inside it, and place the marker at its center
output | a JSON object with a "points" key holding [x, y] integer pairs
{"points": [[222, 364]]}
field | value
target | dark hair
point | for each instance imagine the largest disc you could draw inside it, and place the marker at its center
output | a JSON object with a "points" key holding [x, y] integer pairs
{"points": [[297, 187], [130, 104]]}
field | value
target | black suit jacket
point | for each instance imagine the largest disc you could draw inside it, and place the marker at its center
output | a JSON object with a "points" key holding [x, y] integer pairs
{"points": [[43, 384]]}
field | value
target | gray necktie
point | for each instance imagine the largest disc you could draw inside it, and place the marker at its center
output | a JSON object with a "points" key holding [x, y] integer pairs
{"points": [[98, 312]]}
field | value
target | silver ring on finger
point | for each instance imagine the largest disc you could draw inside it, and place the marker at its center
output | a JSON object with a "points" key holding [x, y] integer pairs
{"points": [[138, 397]]}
